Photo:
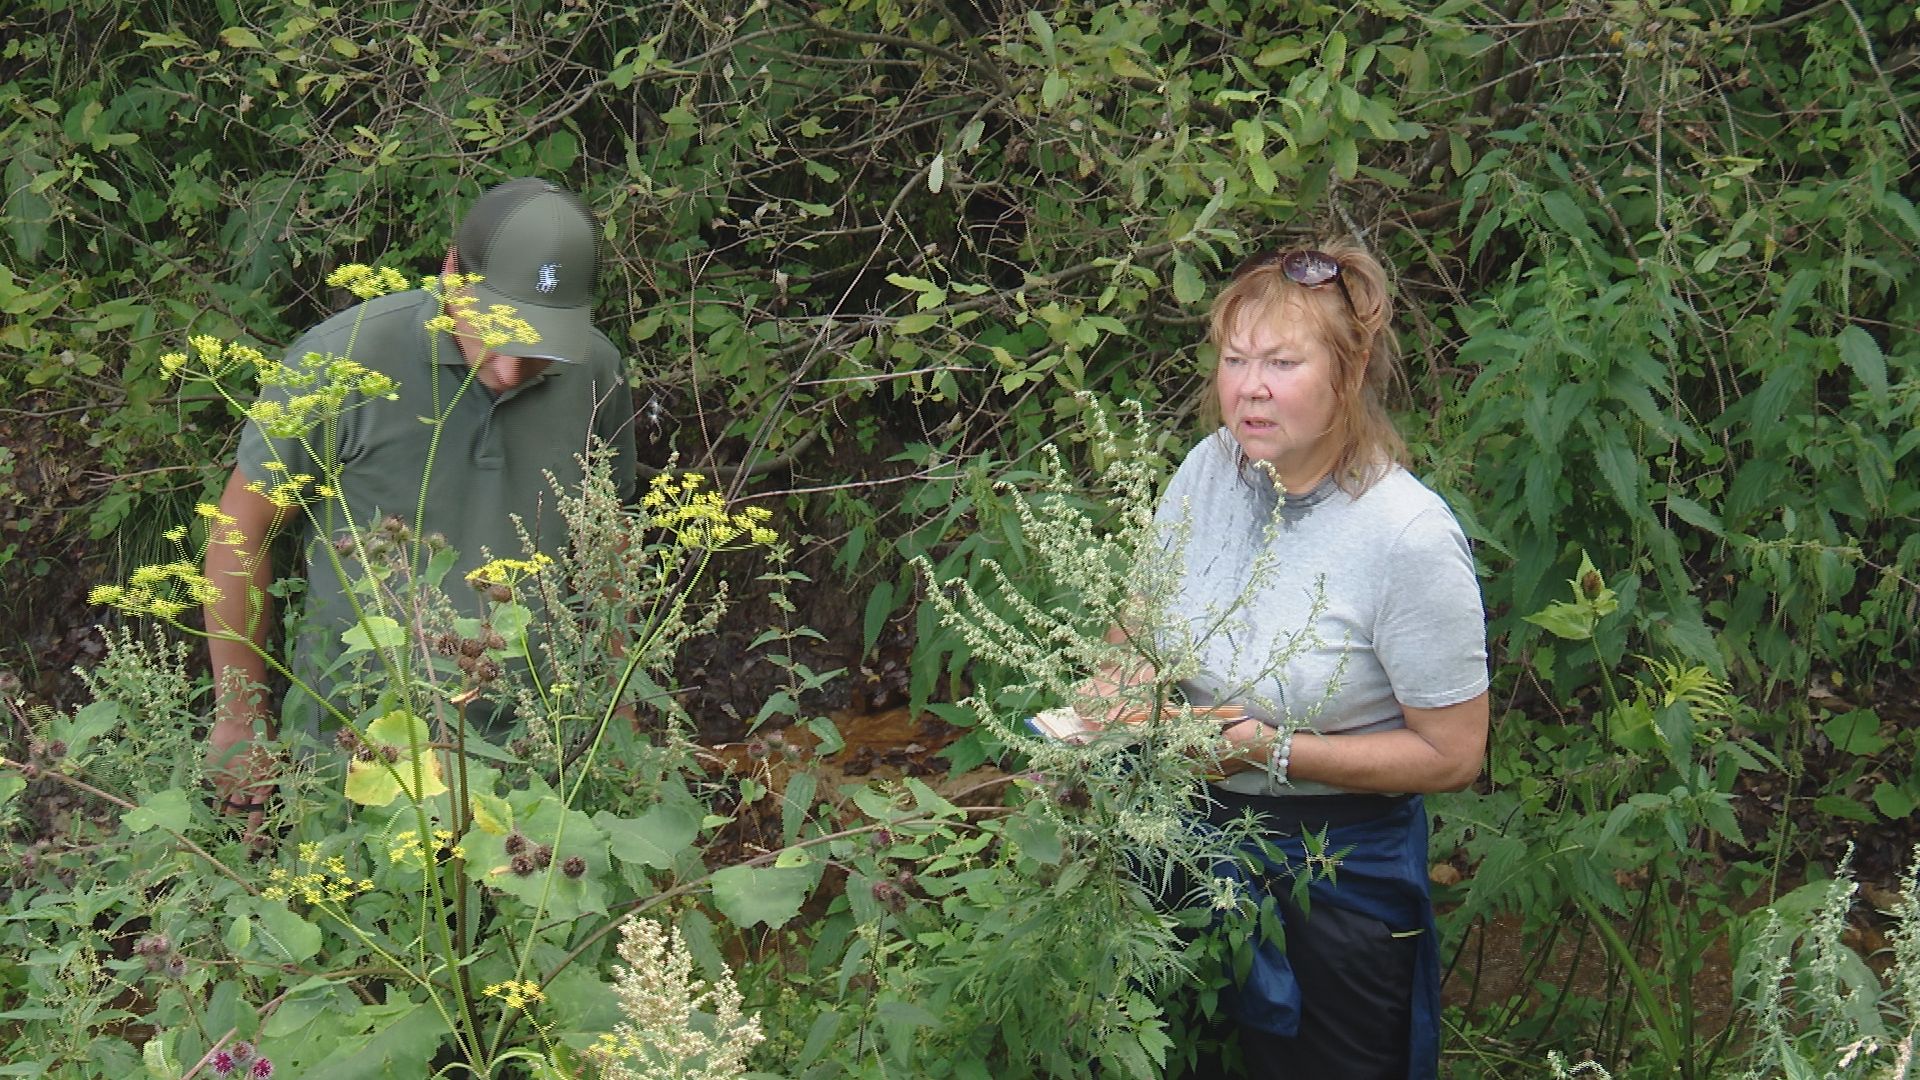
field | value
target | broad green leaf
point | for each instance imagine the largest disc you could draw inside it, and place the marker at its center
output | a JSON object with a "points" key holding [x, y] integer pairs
{"points": [[1856, 732], [748, 895], [371, 632], [416, 772], [90, 722], [1569, 621], [1694, 514], [1562, 210], [287, 936], [511, 622], [1620, 469], [569, 834], [1037, 837], [239, 37], [1842, 806], [917, 322], [11, 784], [167, 810], [491, 813], [1346, 157], [1893, 801], [656, 838], [157, 1055], [828, 733]]}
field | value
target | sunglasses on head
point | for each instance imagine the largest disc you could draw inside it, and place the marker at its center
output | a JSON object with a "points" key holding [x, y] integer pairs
{"points": [[1304, 267]]}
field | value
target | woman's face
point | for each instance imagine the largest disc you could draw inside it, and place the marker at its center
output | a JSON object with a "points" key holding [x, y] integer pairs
{"points": [[1276, 394]]}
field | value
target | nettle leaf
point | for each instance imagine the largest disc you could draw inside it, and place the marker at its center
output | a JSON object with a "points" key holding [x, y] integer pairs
{"points": [[754, 894], [1862, 354]]}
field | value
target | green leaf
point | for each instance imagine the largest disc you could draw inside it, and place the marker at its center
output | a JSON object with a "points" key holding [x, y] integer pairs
{"points": [[1346, 157], [937, 173], [11, 784], [1620, 469], [1893, 801], [90, 722], [1572, 622], [796, 802], [239, 37], [656, 838], [288, 937], [917, 322], [570, 834], [1841, 806], [1862, 354], [1564, 213], [1053, 89], [1694, 514], [373, 631], [912, 284], [379, 782], [157, 1055], [492, 814], [880, 604], [824, 729], [1856, 732], [747, 895], [167, 810], [1187, 286], [1037, 836]]}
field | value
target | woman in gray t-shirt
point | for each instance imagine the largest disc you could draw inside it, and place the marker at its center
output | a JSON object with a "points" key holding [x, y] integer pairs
{"points": [[1325, 588]]}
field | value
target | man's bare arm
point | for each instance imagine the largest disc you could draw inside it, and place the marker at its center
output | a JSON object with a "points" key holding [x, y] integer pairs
{"points": [[237, 622]]}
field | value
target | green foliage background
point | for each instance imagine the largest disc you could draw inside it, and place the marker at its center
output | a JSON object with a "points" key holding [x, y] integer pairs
{"points": [[1653, 256], [1655, 262]]}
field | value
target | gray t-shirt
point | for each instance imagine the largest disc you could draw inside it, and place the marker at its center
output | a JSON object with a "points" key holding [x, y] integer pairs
{"points": [[1401, 626]]}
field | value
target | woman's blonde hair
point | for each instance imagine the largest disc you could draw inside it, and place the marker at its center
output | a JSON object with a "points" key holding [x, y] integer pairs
{"points": [[1355, 325]]}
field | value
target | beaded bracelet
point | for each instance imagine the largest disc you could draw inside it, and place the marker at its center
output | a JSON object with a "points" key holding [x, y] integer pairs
{"points": [[1280, 757]]}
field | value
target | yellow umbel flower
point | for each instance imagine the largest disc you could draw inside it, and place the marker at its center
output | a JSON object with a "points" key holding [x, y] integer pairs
{"points": [[699, 519], [516, 993], [367, 282], [162, 590], [507, 571], [321, 880]]}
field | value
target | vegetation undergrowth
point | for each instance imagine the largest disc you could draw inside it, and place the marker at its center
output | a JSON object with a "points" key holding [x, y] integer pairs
{"points": [[1656, 259]]}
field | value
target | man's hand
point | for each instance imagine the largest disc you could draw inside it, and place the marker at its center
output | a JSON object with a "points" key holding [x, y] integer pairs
{"points": [[243, 773]]}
